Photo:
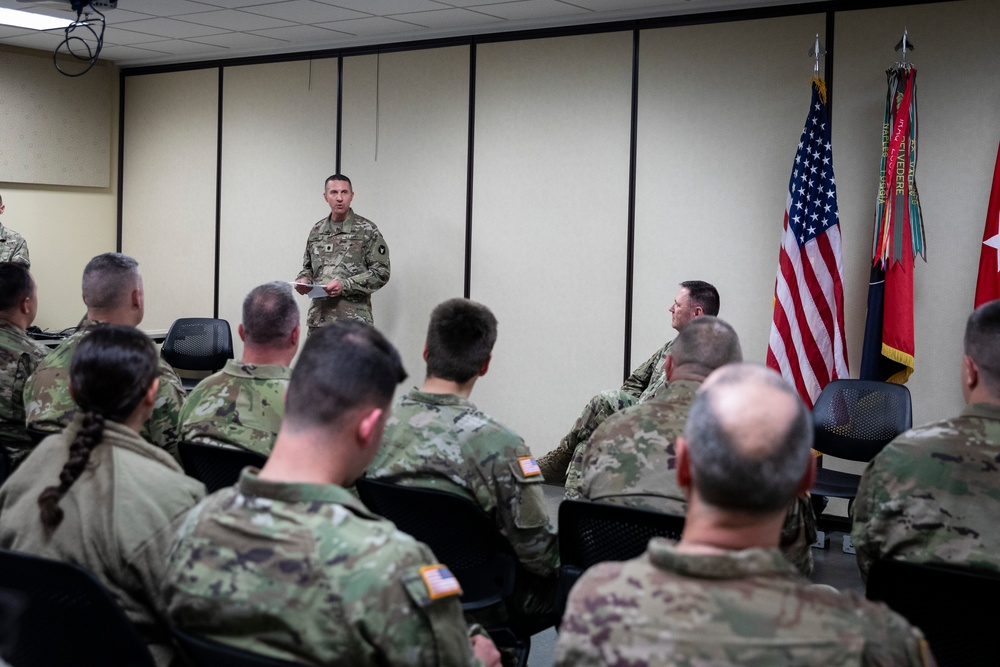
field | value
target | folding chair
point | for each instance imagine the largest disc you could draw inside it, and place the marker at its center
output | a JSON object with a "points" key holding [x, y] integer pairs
{"points": [[201, 344]]}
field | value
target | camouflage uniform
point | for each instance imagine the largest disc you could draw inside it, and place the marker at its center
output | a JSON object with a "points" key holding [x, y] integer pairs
{"points": [[642, 385], [933, 495], [303, 572], [745, 607], [13, 247], [240, 406], [49, 406], [119, 518], [630, 460], [442, 441], [352, 251], [19, 355]]}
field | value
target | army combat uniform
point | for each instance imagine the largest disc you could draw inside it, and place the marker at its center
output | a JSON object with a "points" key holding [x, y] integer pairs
{"points": [[49, 406], [240, 406], [13, 247], [642, 385], [20, 354], [933, 495], [352, 251], [745, 607], [442, 441], [119, 518], [631, 460], [305, 573]]}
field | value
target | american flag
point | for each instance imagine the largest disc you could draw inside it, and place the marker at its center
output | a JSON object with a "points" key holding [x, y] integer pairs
{"points": [[807, 343], [440, 581]]}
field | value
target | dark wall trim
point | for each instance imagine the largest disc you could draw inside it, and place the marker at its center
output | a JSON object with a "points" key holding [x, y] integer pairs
{"points": [[121, 159], [470, 166], [218, 199], [340, 113], [630, 229]]}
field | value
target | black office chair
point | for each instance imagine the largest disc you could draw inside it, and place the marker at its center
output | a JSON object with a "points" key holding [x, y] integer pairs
{"points": [[468, 542], [854, 420], [197, 344], [69, 618], [214, 466], [940, 600], [594, 532], [203, 652]]}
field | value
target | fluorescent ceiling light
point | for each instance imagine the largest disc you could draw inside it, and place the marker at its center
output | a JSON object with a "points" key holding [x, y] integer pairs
{"points": [[16, 17]]}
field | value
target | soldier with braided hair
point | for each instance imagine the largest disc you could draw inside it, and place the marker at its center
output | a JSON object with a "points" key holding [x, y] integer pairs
{"points": [[97, 494]]}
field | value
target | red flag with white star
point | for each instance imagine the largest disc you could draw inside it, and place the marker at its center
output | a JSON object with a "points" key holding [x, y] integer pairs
{"points": [[988, 286]]}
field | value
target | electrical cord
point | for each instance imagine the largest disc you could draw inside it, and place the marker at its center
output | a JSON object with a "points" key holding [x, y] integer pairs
{"points": [[78, 47]]}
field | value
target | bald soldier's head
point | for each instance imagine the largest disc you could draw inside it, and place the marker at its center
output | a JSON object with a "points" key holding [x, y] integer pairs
{"points": [[748, 437], [706, 343]]}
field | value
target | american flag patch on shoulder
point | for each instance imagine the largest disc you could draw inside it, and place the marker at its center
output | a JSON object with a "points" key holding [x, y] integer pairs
{"points": [[440, 581], [529, 466]]}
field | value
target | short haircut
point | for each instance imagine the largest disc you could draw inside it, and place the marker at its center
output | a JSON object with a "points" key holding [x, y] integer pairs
{"points": [[338, 177], [270, 314], [982, 343], [703, 294], [748, 459], [343, 366], [109, 279], [460, 338], [708, 342], [16, 284]]}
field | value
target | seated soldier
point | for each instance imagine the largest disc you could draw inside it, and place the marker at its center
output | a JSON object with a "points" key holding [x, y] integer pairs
{"points": [[694, 299], [242, 405], [631, 458], [20, 354], [112, 291], [289, 564], [438, 439], [933, 494], [13, 247], [97, 494], [724, 594]]}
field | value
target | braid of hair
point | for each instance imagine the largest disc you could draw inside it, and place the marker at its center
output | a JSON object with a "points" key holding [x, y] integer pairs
{"points": [[88, 437]]}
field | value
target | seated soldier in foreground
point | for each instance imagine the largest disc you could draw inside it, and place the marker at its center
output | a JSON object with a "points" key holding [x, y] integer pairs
{"points": [[97, 494], [242, 405], [632, 457], [289, 564], [438, 439], [724, 594], [20, 354]]}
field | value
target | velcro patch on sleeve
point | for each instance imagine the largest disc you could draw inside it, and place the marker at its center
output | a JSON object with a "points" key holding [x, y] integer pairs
{"points": [[529, 466], [440, 581]]}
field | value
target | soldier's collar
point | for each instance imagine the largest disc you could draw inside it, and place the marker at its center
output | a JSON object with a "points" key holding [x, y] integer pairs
{"points": [[347, 225], [295, 492], [726, 565]]}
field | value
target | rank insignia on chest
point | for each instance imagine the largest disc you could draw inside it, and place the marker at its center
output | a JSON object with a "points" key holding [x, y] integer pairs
{"points": [[440, 581], [529, 466]]}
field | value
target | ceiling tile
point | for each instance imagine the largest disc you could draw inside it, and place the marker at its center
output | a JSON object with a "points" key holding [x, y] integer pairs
{"points": [[300, 34], [236, 4], [230, 19], [387, 7], [124, 37], [118, 16], [11, 31], [172, 28], [183, 47], [305, 11], [531, 9], [36, 40], [166, 7], [449, 18], [375, 25], [241, 40], [119, 53]]}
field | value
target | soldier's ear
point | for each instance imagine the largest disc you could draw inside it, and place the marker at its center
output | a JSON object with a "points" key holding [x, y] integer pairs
{"points": [[239, 330], [808, 478], [668, 367], [425, 350], [970, 373], [296, 332], [368, 427], [683, 463], [486, 366]]}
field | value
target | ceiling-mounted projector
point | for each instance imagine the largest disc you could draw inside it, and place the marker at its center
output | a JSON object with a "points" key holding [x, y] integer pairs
{"points": [[75, 5]]}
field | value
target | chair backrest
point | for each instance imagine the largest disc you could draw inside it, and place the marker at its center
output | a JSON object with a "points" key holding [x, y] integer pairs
{"points": [[69, 617], [204, 652], [594, 532], [198, 344], [214, 466], [940, 600], [458, 531], [855, 419]]}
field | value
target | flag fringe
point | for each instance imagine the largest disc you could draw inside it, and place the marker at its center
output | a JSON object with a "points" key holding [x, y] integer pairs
{"points": [[899, 357]]}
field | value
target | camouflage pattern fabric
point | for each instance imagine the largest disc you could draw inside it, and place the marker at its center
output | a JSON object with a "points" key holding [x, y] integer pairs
{"points": [[631, 460], [13, 247], [649, 378], [352, 251], [744, 607], [933, 495], [20, 354], [240, 406], [442, 441], [304, 573], [49, 406]]}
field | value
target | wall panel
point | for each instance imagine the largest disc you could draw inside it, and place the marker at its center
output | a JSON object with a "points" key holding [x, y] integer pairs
{"points": [[550, 224], [169, 190]]}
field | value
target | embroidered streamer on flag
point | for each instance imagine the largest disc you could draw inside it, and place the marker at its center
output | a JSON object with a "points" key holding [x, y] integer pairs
{"points": [[988, 284], [807, 344]]}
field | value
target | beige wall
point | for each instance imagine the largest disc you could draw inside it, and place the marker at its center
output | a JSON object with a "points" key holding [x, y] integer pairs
{"points": [[64, 225]]}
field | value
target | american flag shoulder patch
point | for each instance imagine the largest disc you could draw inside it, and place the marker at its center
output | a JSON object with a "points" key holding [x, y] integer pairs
{"points": [[529, 466], [440, 581]]}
